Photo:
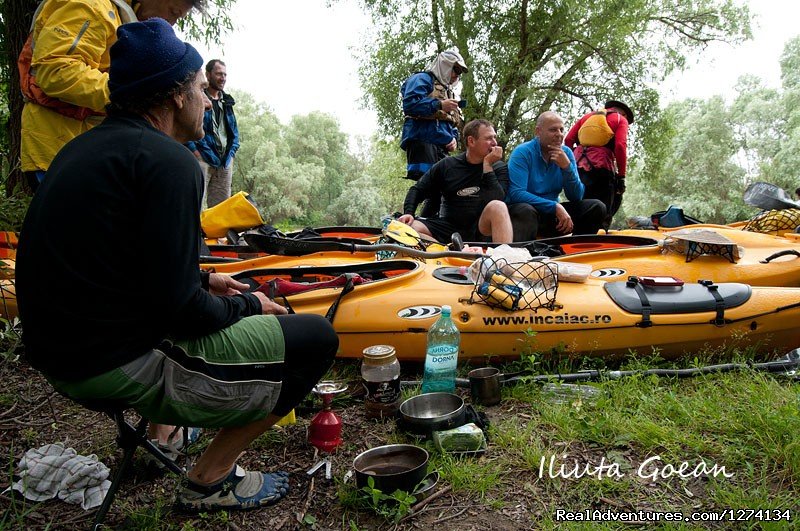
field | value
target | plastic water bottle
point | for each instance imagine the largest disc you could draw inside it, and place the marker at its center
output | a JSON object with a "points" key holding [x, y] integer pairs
{"points": [[442, 355]]}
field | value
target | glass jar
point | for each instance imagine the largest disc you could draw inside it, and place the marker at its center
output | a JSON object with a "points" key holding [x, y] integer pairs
{"points": [[380, 371]]}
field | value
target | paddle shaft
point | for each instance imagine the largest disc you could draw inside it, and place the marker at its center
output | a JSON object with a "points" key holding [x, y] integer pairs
{"points": [[289, 247], [416, 253]]}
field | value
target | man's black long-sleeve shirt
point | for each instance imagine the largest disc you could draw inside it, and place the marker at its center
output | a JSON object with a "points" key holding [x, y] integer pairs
{"points": [[108, 257], [464, 188]]}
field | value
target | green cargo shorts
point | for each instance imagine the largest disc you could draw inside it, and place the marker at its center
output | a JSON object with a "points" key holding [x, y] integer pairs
{"points": [[228, 378]]}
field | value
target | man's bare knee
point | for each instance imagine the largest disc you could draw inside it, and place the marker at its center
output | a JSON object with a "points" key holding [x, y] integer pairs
{"points": [[496, 208], [421, 228], [489, 216]]}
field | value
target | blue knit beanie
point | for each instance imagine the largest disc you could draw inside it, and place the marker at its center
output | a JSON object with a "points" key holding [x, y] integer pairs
{"points": [[148, 58]]}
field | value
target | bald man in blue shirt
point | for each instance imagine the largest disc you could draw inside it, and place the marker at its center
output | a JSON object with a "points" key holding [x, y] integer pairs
{"points": [[538, 171]]}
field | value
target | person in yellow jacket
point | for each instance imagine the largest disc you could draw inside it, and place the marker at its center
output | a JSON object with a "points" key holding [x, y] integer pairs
{"points": [[70, 47]]}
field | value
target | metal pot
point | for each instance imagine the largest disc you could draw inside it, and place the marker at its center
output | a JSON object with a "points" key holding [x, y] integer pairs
{"points": [[393, 467], [429, 412]]}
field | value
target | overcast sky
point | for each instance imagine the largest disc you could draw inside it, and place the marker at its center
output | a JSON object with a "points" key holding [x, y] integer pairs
{"points": [[297, 57], [717, 69]]}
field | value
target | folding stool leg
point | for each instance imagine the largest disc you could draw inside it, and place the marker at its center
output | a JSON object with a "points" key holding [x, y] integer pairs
{"points": [[129, 438]]}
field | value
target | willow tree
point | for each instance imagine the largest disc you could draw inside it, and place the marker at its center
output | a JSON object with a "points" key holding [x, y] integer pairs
{"points": [[15, 19], [702, 154], [526, 56]]}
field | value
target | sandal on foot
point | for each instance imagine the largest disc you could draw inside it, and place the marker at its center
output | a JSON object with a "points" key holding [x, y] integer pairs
{"points": [[180, 440], [178, 444], [240, 490]]}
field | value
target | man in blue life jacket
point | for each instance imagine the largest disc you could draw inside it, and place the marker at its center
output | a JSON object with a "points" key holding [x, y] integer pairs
{"points": [[218, 147], [432, 117]]}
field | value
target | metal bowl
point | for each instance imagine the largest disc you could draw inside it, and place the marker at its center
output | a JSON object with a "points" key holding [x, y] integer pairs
{"points": [[425, 488], [429, 412], [394, 466]]}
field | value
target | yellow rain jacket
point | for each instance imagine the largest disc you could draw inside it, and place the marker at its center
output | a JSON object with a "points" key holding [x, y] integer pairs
{"points": [[71, 56]]}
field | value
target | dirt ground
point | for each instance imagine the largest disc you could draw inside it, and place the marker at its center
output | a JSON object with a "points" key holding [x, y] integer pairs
{"points": [[32, 414]]}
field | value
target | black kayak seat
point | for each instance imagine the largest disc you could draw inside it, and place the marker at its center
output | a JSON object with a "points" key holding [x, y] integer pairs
{"points": [[672, 217], [689, 298]]}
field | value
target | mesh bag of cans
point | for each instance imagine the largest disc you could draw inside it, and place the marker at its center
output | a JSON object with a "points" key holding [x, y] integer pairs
{"points": [[773, 221], [513, 286]]}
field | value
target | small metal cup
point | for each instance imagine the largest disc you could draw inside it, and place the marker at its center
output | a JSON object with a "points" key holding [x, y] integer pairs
{"points": [[484, 385]]}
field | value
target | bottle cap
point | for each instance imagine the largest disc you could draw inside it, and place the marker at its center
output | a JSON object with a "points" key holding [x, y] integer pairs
{"points": [[446, 309]]}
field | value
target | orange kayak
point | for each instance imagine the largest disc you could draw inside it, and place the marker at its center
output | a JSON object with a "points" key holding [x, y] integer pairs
{"points": [[396, 301], [765, 260]]}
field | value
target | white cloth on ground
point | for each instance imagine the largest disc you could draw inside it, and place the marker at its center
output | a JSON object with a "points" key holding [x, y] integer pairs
{"points": [[53, 470]]}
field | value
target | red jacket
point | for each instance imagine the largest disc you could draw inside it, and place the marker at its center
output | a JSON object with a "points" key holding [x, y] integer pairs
{"points": [[602, 157]]}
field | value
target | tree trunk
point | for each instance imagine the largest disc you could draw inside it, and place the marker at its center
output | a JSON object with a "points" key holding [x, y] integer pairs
{"points": [[16, 21]]}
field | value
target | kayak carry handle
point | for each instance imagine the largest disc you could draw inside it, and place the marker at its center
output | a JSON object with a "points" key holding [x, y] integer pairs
{"points": [[786, 252]]}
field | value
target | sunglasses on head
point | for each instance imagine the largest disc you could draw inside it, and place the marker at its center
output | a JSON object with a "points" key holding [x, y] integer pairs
{"points": [[458, 70]]}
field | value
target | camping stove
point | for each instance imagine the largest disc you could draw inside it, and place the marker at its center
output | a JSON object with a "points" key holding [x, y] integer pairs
{"points": [[325, 430]]}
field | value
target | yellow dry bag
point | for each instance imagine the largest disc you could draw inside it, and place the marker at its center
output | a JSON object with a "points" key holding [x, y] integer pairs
{"points": [[237, 213], [595, 131]]}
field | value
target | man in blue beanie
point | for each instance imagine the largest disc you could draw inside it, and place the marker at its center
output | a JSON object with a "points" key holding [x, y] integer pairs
{"points": [[180, 346]]}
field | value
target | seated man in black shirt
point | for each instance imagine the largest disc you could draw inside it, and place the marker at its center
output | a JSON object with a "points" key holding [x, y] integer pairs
{"points": [[179, 346], [472, 198]]}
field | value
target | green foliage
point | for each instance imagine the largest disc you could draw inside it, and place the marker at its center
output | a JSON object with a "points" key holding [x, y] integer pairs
{"points": [[5, 116], [303, 173], [12, 210], [392, 506], [278, 184], [743, 421], [149, 518], [10, 338], [212, 24], [702, 154], [465, 473], [527, 57], [361, 204], [316, 139], [746, 421], [387, 168], [18, 512], [757, 123]]}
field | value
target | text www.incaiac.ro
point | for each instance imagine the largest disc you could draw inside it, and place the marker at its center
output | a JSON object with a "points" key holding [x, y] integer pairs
{"points": [[562, 319]]}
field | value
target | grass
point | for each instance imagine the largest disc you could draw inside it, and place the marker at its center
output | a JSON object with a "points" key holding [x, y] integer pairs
{"points": [[10, 337], [735, 434], [745, 421]]}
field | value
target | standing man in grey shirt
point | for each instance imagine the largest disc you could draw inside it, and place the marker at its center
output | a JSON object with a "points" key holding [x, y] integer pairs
{"points": [[217, 148]]}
